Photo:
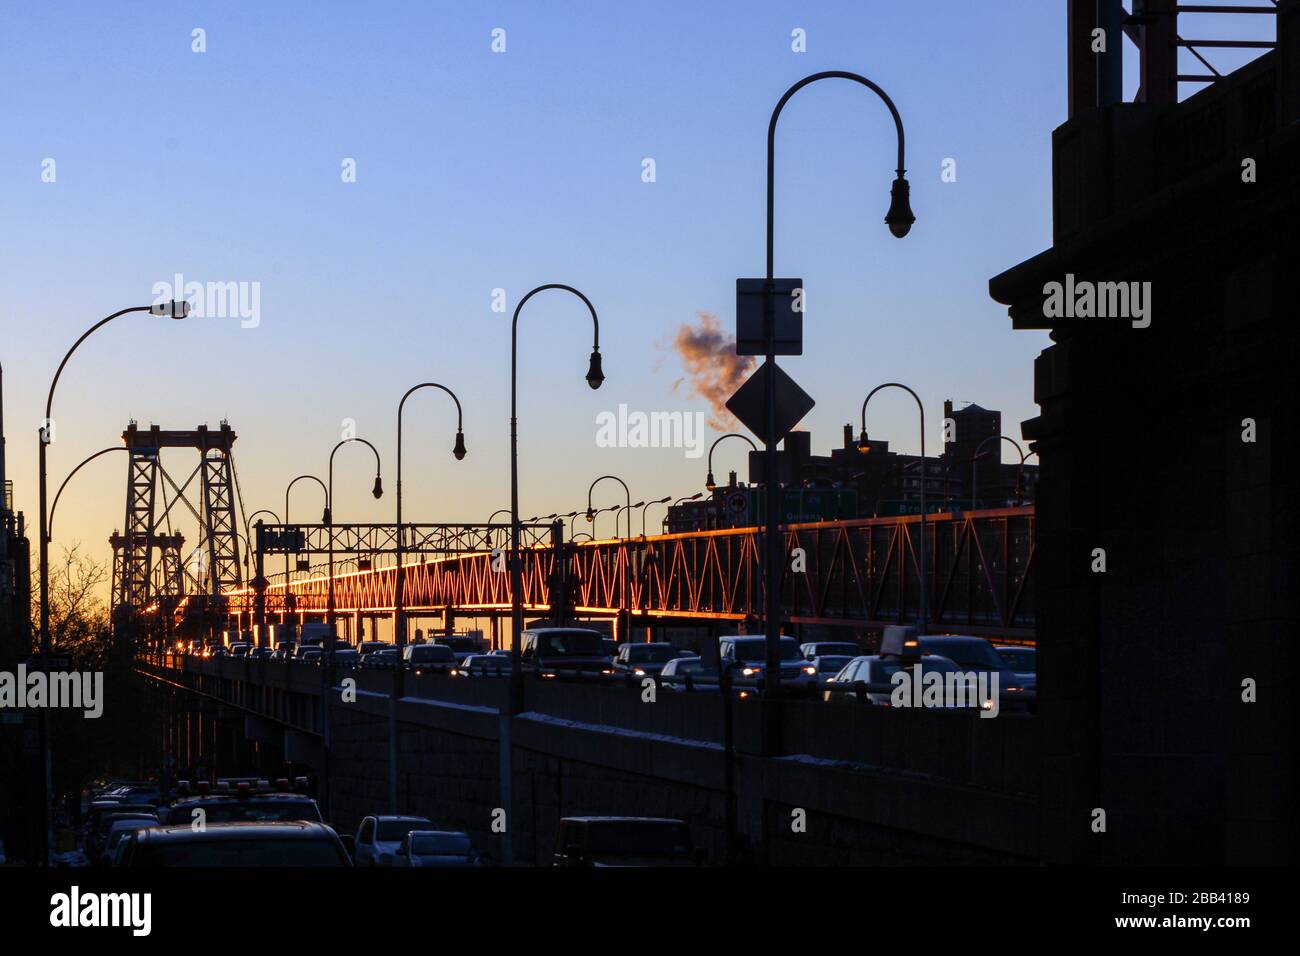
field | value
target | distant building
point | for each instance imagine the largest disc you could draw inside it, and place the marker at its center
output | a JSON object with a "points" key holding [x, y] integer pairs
{"points": [[848, 483]]}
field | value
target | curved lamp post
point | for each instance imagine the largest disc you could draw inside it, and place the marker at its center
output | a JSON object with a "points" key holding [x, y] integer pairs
{"points": [[864, 446], [591, 515], [899, 218], [49, 531], [709, 483], [646, 507], [248, 524], [290, 601], [976, 454], [327, 652], [458, 450], [594, 377], [176, 310]]}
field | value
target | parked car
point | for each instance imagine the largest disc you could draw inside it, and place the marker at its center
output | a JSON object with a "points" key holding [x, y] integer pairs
{"points": [[676, 672], [643, 660], [550, 651], [290, 843], [379, 837], [746, 657], [429, 848], [625, 841], [1023, 661], [837, 648], [429, 658]]}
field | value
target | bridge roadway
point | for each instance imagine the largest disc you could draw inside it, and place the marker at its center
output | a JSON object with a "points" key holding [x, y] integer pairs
{"points": [[876, 785], [860, 574]]}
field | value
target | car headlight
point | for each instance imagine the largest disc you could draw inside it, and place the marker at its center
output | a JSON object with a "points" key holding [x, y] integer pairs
{"points": [[638, 672], [810, 670], [751, 671]]}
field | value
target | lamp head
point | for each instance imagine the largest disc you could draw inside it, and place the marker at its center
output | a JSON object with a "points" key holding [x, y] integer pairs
{"points": [[378, 490], [175, 309], [594, 374], [709, 482], [900, 218], [864, 443], [459, 450], [591, 515]]}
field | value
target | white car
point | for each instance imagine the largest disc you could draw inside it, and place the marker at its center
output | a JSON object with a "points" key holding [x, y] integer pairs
{"points": [[379, 837]]}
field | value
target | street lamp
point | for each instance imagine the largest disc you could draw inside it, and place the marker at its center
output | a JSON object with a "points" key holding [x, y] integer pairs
{"points": [[458, 450], [248, 524], [899, 218], [591, 515], [290, 601], [709, 483], [85, 461], [864, 446], [645, 506], [594, 377], [976, 454], [175, 309], [327, 652]]}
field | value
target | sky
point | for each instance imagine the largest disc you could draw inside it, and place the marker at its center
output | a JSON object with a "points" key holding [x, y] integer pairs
{"points": [[478, 171]]}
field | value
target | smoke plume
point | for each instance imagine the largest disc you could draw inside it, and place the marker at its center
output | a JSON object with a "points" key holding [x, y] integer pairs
{"points": [[713, 369]]}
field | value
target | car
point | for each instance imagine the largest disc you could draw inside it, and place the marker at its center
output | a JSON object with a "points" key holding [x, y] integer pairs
{"points": [[242, 806], [462, 644], [977, 655], [119, 829], [552, 651], [309, 655], [139, 793], [345, 657], [643, 660], [379, 836], [1023, 661], [239, 650], [688, 674], [442, 848], [625, 841], [875, 674], [837, 648], [371, 647], [500, 652], [484, 665], [97, 835], [746, 658], [429, 658], [610, 645], [289, 843], [313, 632], [378, 660], [260, 653], [828, 665]]}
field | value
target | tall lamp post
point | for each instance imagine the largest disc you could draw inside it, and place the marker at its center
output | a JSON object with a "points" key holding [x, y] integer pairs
{"points": [[899, 218], [976, 454], [591, 515], [864, 446], [594, 378], [709, 483], [458, 449], [290, 601], [327, 652], [646, 507], [58, 494], [175, 310]]}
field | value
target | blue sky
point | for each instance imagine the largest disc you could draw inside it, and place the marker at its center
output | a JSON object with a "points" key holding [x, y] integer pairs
{"points": [[478, 171]]}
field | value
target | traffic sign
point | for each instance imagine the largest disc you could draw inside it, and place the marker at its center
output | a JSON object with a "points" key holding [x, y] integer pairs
{"points": [[749, 404], [787, 310]]}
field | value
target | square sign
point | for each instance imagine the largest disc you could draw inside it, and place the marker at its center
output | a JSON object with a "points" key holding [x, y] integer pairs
{"points": [[787, 300], [749, 404]]}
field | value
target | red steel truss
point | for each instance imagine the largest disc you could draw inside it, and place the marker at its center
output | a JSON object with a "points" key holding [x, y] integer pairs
{"points": [[861, 573]]}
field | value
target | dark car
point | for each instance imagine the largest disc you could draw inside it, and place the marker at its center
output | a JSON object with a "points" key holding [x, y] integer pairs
{"points": [[552, 651], [689, 673], [429, 658], [295, 843], [624, 841], [643, 660], [236, 808], [436, 848]]}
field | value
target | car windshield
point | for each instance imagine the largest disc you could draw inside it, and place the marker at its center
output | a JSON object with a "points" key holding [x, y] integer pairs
{"points": [[756, 650], [1020, 659], [440, 844], [250, 852], [826, 664], [637, 838], [392, 831], [694, 666], [570, 644], [649, 652], [968, 653]]}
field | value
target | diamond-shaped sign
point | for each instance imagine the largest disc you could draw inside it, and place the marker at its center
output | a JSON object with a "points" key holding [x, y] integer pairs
{"points": [[749, 404]]}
